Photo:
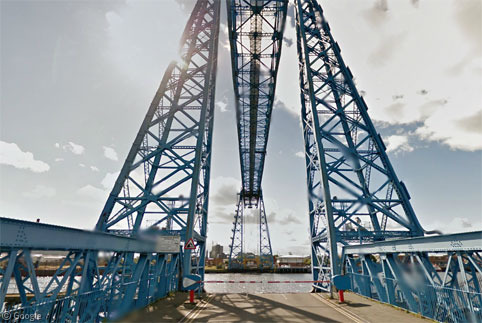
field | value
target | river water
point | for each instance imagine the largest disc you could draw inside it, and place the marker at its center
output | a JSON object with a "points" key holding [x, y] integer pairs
{"points": [[258, 287], [228, 287]]}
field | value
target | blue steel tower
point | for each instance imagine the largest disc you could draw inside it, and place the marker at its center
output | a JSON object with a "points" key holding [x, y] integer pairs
{"points": [[159, 199], [164, 183], [354, 194], [256, 35]]}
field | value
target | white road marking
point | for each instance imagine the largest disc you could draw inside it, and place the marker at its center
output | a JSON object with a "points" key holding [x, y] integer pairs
{"points": [[191, 316], [341, 310]]}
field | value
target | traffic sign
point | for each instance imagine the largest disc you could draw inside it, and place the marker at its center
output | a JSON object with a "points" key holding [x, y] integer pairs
{"points": [[342, 282], [191, 282], [190, 245]]}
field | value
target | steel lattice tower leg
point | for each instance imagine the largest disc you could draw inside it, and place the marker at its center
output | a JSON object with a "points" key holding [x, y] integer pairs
{"points": [[353, 189], [236, 250], [237, 256], [162, 189], [164, 183], [266, 260]]}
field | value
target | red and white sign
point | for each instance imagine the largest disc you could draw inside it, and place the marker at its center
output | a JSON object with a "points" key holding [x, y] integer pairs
{"points": [[263, 282], [190, 245], [191, 281]]}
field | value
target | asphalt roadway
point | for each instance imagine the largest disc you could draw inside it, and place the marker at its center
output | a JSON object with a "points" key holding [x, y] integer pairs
{"points": [[309, 307]]}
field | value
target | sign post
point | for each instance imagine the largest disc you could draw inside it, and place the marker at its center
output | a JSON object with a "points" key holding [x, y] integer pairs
{"points": [[342, 283], [191, 296], [191, 283]]}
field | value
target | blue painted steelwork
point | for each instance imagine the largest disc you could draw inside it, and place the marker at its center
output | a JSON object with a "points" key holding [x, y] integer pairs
{"points": [[164, 182], [153, 274], [236, 249], [104, 303], [162, 190], [256, 35], [18, 234], [237, 255], [437, 277], [161, 195], [354, 193]]}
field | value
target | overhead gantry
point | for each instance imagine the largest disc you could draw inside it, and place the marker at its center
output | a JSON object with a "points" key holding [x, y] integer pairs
{"points": [[256, 36]]}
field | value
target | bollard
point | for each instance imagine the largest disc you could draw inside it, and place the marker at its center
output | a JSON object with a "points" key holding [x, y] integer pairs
{"points": [[191, 296], [340, 294]]}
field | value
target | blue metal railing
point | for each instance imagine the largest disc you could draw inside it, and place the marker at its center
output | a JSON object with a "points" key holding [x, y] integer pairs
{"points": [[80, 308], [443, 304]]}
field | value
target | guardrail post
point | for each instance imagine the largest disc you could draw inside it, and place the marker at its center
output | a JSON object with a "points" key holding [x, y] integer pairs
{"points": [[191, 296]]}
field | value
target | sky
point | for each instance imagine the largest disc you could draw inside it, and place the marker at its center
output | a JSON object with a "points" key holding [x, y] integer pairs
{"points": [[77, 78]]}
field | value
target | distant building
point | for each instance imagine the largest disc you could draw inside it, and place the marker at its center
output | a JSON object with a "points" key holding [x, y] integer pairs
{"points": [[216, 262], [439, 262], [292, 261], [217, 252]]}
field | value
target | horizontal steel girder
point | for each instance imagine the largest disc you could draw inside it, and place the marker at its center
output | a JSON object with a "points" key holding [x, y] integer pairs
{"points": [[444, 243], [17, 234], [360, 235], [256, 35]]}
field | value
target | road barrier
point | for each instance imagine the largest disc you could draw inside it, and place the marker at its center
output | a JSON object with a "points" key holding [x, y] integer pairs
{"points": [[261, 281]]}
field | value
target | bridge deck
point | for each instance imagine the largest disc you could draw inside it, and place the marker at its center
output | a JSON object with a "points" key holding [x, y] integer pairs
{"points": [[271, 308]]}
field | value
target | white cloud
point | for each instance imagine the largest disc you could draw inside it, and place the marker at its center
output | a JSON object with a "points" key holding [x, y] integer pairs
{"points": [[222, 106], [74, 148], [109, 180], [224, 191], [97, 193], [58, 159], [93, 192], [57, 145], [300, 154], [127, 43], [397, 144], [11, 154], [40, 191], [289, 220], [463, 133], [110, 153], [457, 224], [439, 80], [82, 165]]}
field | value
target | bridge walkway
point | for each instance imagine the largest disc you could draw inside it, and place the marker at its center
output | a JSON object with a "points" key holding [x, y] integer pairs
{"points": [[271, 308]]}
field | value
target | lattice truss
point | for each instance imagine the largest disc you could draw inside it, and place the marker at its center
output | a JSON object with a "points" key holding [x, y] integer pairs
{"points": [[265, 249], [256, 35], [116, 281], [163, 186], [410, 280], [237, 255], [236, 250], [352, 185], [164, 181]]}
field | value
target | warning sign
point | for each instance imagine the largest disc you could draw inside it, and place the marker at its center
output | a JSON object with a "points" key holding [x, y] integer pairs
{"points": [[190, 244]]}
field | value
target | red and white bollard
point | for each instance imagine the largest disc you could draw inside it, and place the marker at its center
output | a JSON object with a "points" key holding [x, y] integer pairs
{"points": [[341, 296], [191, 296]]}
